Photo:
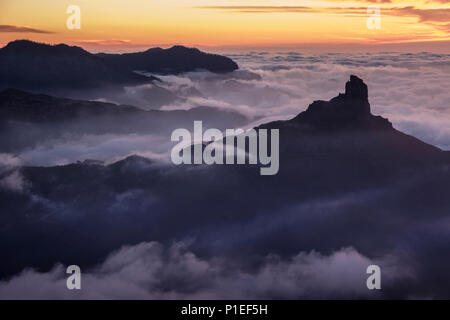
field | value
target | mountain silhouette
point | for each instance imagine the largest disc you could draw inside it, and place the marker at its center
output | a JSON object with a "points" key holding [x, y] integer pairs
{"points": [[28, 119], [346, 178], [35, 66]]}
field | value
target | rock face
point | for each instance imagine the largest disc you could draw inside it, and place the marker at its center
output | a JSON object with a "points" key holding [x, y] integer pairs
{"points": [[35, 66]]}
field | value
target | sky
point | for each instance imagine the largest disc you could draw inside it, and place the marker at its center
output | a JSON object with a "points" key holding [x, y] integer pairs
{"points": [[119, 25]]}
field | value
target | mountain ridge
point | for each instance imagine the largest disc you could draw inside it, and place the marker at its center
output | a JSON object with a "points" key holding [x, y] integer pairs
{"points": [[29, 118]]}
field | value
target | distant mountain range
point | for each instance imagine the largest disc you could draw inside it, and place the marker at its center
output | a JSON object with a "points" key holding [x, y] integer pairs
{"points": [[27, 118], [41, 67]]}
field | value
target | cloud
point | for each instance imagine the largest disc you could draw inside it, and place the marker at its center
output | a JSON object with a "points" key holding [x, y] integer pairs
{"points": [[424, 14], [105, 42], [19, 29], [320, 247], [151, 270]]}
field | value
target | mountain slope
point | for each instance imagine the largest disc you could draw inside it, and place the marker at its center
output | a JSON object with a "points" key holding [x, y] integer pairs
{"points": [[347, 178]]}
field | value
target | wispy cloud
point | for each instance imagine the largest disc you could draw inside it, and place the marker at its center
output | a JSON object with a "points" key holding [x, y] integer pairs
{"points": [[103, 42], [10, 28]]}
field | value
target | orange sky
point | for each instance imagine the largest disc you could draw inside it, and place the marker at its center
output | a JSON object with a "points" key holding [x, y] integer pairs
{"points": [[124, 25]]}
